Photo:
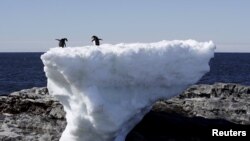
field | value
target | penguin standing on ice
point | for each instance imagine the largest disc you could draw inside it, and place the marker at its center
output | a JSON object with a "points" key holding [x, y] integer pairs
{"points": [[62, 42], [96, 40]]}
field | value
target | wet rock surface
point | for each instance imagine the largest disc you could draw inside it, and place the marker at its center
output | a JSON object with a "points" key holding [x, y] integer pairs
{"points": [[33, 114]]}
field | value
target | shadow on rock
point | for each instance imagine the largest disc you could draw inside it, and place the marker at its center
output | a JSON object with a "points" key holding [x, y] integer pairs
{"points": [[162, 126]]}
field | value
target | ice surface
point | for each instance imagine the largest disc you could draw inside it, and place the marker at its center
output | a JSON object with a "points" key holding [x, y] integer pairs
{"points": [[106, 90]]}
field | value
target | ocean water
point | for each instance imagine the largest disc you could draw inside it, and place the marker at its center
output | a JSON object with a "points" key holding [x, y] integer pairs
{"points": [[20, 71], [228, 68], [25, 70]]}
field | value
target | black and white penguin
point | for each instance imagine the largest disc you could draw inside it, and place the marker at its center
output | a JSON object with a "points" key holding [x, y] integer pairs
{"points": [[96, 40], [62, 42]]}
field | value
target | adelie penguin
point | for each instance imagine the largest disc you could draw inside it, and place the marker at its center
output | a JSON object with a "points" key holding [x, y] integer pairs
{"points": [[62, 42], [96, 40]]}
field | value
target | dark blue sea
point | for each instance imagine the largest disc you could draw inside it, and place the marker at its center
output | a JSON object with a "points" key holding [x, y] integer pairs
{"points": [[25, 70], [20, 71]]}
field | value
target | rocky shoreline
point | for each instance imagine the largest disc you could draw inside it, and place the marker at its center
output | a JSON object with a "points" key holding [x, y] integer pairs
{"points": [[31, 114], [34, 115]]}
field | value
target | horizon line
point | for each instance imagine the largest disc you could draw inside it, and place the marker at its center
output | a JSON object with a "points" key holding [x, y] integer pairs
{"points": [[46, 51]]}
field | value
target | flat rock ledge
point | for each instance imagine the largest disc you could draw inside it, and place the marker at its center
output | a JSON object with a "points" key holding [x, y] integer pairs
{"points": [[34, 115]]}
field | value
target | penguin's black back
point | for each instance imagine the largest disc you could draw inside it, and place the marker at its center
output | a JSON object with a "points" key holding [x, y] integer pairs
{"points": [[62, 42], [96, 39], [97, 42]]}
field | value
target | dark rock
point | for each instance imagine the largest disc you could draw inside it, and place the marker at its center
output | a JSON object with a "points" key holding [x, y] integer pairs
{"points": [[219, 101], [31, 114], [193, 114]]}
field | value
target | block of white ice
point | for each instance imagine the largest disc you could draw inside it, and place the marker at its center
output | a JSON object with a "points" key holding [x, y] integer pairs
{"points": [[107, 89]]}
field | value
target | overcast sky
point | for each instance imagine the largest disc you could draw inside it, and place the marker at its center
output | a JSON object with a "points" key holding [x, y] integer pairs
{"points": [[33, 25]]}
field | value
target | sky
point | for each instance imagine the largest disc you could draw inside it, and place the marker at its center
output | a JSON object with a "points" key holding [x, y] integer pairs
{"points": [[33, 25]]}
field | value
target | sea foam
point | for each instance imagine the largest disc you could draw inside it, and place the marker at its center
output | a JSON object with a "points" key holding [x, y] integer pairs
{"points": [[106, 90]]}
